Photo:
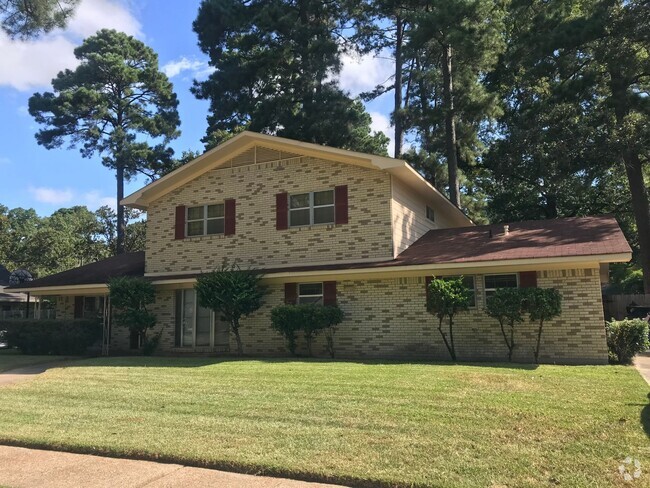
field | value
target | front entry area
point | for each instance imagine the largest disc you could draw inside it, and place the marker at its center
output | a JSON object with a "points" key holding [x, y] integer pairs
{"points": [[198, 328]]}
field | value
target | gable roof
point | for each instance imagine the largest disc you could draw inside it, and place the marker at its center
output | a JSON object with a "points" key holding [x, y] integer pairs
{"points": [[221, 155], [596, 239], [99, 272]]}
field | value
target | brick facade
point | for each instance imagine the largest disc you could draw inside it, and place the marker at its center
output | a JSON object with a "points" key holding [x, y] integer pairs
{"points": [[257, 242], [387, 319]]}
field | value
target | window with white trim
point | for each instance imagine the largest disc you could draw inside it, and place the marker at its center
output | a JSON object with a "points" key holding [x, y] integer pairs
{"points": [[310, 293], [205, 220], [493, 282], [431, 214], [316, 207]]}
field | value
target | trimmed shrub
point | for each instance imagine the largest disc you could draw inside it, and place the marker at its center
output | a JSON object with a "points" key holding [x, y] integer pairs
{"points": [[507, 306], [542, 304], [446, 297], [626, 338], [286, 320], [130, 297], [232, 293], [59, 337], [311, 319]]}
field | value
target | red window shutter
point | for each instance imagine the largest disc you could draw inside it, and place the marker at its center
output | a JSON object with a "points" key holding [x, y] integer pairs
{"points": [[78, 307], [179, 226], [230, 217], [341, 204], [329, 293], [291, 293], [282, 211], [427, 282], [528, 279]]}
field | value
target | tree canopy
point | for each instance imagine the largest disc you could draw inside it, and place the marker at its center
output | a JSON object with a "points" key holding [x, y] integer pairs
{"points": [[274, 62], [24, 19], [114, 104]]}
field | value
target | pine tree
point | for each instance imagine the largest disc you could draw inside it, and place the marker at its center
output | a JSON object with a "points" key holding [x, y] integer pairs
{"points": [[274, 65], [114, 97]]}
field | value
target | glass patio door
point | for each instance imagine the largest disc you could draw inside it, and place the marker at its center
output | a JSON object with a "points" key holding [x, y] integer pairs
{"points": [[196, 322]]}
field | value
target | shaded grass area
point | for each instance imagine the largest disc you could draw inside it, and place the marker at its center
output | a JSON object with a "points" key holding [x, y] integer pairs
{"points": [[362, 423], [11, 359]]}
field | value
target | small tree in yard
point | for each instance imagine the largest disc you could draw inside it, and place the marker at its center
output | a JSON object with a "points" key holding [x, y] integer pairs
{"points": [[231, 292], [445, 298], [507, 306], [542, 304], [130, 297]]}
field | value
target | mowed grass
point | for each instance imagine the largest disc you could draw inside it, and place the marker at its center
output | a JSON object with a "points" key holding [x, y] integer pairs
{"points": [[11, 359], [361, 423]]}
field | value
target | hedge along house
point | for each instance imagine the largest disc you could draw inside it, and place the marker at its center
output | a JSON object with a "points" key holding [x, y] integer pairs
{"points": [[328, 226]]}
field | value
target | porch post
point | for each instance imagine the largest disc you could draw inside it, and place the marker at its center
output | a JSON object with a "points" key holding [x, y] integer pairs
{"points": [[106, 325]]}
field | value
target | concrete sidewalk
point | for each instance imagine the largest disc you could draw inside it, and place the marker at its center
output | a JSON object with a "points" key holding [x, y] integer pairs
{"points": [[28, 372], [34, 468], [642, 363]]}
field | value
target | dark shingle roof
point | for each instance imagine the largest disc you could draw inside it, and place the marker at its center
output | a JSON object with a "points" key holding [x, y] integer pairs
{"points": [[569, 237], [131, 264]]}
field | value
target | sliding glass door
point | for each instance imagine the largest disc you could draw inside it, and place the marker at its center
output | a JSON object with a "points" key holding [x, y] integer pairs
{"points": [[197, 326]]}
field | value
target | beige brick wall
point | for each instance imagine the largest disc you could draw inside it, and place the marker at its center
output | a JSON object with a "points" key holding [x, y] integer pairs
{"points": [[257, 242], [408, 214], [387, 319]]}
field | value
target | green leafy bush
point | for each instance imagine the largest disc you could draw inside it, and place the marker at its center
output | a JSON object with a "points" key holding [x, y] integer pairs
{"points": [[232, 293], [542, 304], [130, 297], [286, 321], [311, 319], [60, 337], [507, 306], [445, 298], [626, 338]]}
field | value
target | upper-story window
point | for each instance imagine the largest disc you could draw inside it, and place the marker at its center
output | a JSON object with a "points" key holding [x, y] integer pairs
{"points": [[205, 220], [493, 282], [310, 293], [431, 214], [311, 208]]}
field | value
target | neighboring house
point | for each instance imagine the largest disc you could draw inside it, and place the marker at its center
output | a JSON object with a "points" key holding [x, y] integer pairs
{"points": [[332, 226], [12, 304]]}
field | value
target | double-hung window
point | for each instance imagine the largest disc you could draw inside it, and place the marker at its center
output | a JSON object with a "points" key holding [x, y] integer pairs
{"points": [[311, 208], [205, 220], [310, 293], [493, 282]]}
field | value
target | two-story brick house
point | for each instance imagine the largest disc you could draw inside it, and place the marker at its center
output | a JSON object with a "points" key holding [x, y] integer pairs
{"points": [[332, 226]]}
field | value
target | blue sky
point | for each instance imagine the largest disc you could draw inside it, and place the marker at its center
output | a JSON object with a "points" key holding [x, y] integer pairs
{"points": [[31, 176]]}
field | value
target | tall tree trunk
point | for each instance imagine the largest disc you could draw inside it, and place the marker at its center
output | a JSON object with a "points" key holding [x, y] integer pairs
{"points": [[450, 126], [397, 113], [634, 172], [121, 226], [641, 209]]}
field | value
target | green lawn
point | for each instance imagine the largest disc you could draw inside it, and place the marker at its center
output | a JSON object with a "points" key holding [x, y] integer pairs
{"points": [[10, 359], [392, 424]]}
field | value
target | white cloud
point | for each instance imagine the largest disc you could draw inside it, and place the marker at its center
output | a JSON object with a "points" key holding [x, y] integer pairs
{"points": [[381, 122], [25, 65], [65, 196], [51, 195], [198, 69], [364, 73], [94, 199]]}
